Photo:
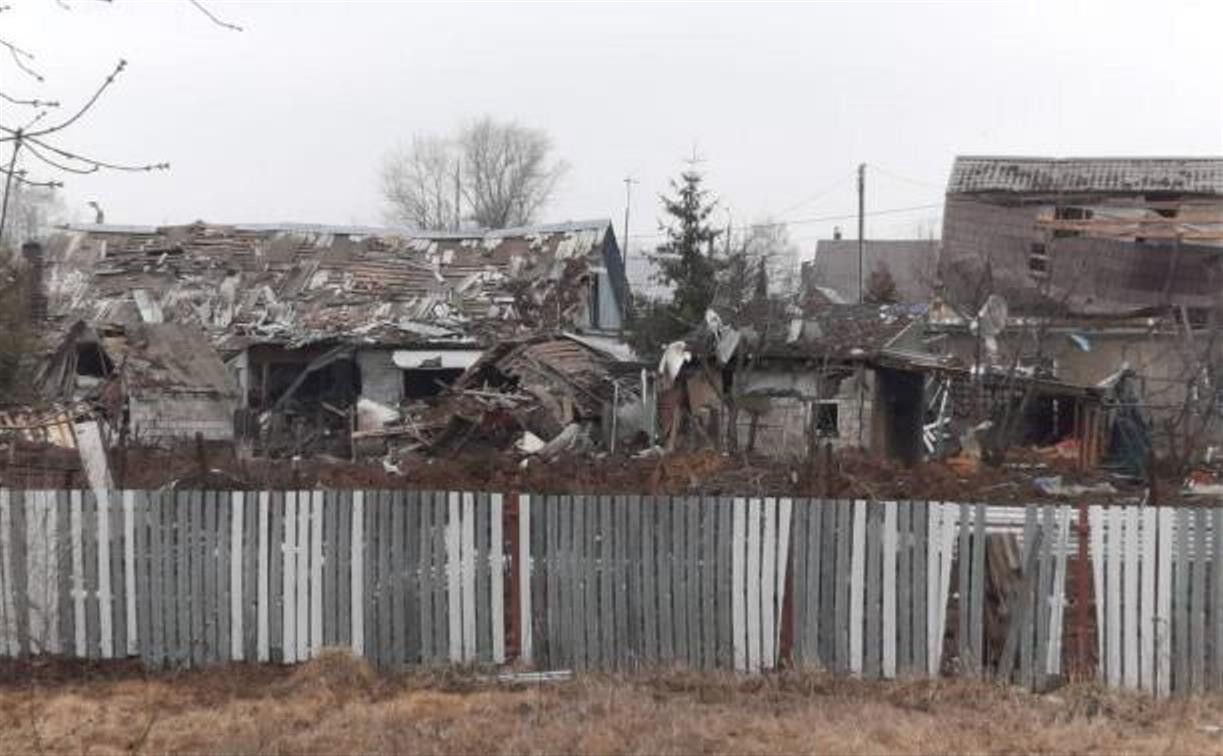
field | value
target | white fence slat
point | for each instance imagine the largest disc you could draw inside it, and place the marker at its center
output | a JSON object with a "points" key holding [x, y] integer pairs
{"points": [[951, 515], [302, 550], [753, 585], [129, 572], [934, 533], [236, 522], [78, 569], [105, 618], [1115, 535], [356, 574], [1129, 598], [1095, 525], [784, 515], [289, 585], [889, 542], [1163, 599], [468, 554], [453, 567], [857, 592], [316, 573], [261, 609], [1053, 664], [738, 575], [527, 624], [768, 583], [496, 578], [1146, 615]]}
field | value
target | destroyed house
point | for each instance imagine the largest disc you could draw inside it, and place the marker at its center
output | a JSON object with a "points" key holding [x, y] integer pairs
{"points": [[153, 382], [1084, 236], [843, 375], [313, 319]]}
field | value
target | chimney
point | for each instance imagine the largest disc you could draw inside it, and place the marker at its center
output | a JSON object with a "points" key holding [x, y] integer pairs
{"points": [[836, 233]]}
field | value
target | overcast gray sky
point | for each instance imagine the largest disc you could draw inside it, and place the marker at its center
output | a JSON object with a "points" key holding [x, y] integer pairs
{"points": [[288, 120]]}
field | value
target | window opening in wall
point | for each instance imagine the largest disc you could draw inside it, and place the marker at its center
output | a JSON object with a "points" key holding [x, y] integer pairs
{"points": [[1038, 260], [1069, 214], [827, 419], [92, 361], [423, 384]]}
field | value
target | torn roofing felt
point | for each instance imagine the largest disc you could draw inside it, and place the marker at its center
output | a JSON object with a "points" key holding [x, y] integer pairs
{"points": [[301, 284]]}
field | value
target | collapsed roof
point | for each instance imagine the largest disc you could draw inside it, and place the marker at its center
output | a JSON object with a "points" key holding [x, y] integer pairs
{"points": [[300, 284], [975, 174]]}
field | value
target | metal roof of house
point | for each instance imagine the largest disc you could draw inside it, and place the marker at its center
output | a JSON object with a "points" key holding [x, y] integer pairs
{"points": [[301, 283], [912, 263], [1182, 175]]}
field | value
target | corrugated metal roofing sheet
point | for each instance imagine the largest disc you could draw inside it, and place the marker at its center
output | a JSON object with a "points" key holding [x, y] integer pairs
{"points": [[1199, 175]]}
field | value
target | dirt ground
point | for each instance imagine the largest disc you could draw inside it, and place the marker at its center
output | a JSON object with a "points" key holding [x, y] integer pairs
{"points": [[337, 705], [847, 474]]}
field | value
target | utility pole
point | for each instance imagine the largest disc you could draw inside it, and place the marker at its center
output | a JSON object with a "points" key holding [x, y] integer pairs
{"points": [[861, 224], [628, 201], [458, 193]]}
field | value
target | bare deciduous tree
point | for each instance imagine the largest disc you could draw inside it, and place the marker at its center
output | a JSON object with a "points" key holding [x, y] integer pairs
{"points": [[508, 176], [418, 183]]}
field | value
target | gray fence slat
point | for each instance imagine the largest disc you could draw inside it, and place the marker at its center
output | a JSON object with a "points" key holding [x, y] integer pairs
{"points": [[484, 625], [978, 587], [63, 567], [590, 580], [543, 545], [921, 527], [695, 617], [428, 651], [607, 581], [799, 551], [388, 539], [251, 503], [1180, 604], [841, 606], [826, 631], [395, 581], [118, 575], [620, 606], [573, 527], [872, 663], [1216, 597], [708, 571], [207, 565], [224, 504], [1042, 585], [964, 562], [649, 578], [678, 557], [276, 577], [196, 596], [634, 601], [179, 566], [89, 539], [412, 552], [555, 558], [163, 616], [330, 602], [344, 567], [1027, 632], [815, 582], [664, 542], [722, 595], [144, 589], [18, 570], [1198, 624], [904, 587], [441, 601]]}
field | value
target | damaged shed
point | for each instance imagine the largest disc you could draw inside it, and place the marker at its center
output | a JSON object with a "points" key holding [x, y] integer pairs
{"points": [[154, 382]]}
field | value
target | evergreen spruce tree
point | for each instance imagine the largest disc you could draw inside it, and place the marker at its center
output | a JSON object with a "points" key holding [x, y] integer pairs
{"points": [[687, 259]]}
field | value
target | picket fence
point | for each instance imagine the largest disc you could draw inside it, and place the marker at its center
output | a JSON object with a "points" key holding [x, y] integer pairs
{"points": [[183, 578]]}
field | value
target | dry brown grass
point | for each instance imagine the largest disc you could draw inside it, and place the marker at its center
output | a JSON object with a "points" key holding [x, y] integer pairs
{"points": [[337, 705]]}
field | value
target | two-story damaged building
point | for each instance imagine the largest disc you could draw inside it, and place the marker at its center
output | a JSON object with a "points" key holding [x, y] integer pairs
{"points": [[317, 322], [1088, 236]]}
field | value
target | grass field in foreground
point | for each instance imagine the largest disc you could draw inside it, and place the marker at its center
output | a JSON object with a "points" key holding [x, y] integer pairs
{"points": [[337, 705]]}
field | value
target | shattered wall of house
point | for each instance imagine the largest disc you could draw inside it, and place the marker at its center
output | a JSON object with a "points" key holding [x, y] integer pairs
{"points": [[381, 380], [782, 400], [181, 416]]}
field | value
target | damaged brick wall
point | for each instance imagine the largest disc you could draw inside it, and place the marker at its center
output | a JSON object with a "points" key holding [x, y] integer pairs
{"points": [[181, 416], [381, 380]]}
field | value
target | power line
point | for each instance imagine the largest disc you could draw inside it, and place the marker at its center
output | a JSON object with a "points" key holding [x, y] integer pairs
{"points": [[906, 179], [798, 222], [820, 194]]}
